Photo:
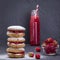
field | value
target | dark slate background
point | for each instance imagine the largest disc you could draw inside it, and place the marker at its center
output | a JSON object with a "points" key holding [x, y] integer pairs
{"points": [[17, 12]]}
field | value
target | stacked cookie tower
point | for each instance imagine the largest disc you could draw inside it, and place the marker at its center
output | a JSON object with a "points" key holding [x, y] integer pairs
{"points": [[16, 41]]}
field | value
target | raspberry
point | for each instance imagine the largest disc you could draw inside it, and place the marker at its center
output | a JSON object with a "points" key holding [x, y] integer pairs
{"points": [[47, 49], [37, 49], [50, 49], [37, 56]]}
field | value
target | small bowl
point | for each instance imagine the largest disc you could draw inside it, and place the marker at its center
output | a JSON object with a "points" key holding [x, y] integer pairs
{"points": [[44, 52]]}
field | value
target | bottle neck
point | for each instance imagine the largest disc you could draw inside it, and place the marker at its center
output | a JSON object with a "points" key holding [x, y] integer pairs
{"points": [[34, 13]]}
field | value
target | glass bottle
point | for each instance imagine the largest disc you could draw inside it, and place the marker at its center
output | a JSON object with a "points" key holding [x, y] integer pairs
{"points": [[35, 28]]}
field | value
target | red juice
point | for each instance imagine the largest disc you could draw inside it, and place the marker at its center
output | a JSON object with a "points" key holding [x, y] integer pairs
{"points": [[34, 29]]}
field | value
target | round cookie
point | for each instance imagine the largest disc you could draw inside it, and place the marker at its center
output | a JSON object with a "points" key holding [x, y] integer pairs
{"points": [[16, 42], [11, 55], [15, 50], [16, 31], [11, 34], [14, 39], [13, 45]]}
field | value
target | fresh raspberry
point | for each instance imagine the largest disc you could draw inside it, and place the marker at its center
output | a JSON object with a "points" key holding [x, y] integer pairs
{"points": [[51, 44], [31, 54], [53, 49], [50, 49], [49, 40], [46, 41], [38, 49], [37, 56], [47, 49]]}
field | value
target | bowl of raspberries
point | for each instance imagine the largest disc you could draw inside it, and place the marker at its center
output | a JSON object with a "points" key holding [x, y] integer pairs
{"points": [[50, 46]]}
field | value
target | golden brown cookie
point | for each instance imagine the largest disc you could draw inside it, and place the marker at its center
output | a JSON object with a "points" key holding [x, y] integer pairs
{"points": [[14, 39], [13, 45], [11, 34], [15, 50], [11, 55]]}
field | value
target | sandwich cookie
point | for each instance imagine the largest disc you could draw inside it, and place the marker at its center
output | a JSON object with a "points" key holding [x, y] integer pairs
{"points": [[16, 31], [11, 55], [15, 53], [16, 42]]}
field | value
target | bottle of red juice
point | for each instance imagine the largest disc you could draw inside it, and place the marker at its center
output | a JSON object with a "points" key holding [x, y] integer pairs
{"points": [[35, 28]]}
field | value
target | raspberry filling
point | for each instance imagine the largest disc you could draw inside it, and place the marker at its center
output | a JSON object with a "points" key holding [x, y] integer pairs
{"points": [[16, 42], [18, 52], [16, 31]]}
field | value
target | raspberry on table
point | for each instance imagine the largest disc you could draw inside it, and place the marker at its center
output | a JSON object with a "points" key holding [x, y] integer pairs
{"points": [[37, 56], [38, 49]]}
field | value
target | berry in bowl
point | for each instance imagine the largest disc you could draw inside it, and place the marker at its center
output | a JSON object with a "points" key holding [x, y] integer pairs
{"points": [[50, 46]]}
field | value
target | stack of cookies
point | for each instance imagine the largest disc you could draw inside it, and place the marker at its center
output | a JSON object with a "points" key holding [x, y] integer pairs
{"points": [[16, 41]]}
